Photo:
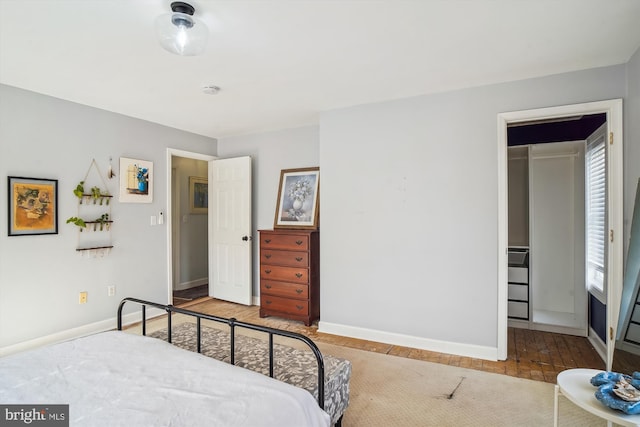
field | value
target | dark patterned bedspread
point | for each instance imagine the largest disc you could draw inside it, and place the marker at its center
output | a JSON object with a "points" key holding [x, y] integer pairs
{"points": [[291, 365]]}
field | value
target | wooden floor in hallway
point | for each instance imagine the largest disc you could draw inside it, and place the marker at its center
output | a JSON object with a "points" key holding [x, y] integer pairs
{"points": [[534, 355]]}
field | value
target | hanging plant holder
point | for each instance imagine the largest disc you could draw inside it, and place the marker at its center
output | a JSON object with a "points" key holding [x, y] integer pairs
{"points": [[90, 202]]}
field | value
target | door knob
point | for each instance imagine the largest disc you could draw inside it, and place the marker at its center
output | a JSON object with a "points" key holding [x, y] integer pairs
{"points": [[247, 238]]}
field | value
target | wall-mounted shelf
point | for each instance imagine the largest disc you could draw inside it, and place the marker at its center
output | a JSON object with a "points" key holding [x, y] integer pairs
{"points": [[101, 200], [94, 215], [97, 226], [99, 251]]}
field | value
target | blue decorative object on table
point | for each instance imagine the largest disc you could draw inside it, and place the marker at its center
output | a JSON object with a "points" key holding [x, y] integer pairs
{"points": [[608, 382]]}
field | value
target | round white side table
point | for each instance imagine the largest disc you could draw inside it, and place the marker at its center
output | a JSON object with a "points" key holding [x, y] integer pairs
{"points": [[575, 385]]}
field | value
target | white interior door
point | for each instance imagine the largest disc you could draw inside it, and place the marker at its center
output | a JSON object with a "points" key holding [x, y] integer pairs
{"points": [[230, 243]]}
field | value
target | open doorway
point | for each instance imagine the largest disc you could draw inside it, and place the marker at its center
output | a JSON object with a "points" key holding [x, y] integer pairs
{"points": [[227, 253], [613, 113], [187, 224], [551, 227], [189, 229]]}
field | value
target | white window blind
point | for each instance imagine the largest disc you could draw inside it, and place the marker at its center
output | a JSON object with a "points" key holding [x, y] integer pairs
{"points": [[596, 211]]}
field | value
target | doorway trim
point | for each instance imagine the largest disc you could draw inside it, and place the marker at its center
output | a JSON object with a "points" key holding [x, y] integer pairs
{"points": [[169, 215], [613, 110]]}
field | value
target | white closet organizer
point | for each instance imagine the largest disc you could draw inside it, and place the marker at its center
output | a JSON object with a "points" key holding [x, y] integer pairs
{"points": [[557, 237], [518, 293], [546, 286]]}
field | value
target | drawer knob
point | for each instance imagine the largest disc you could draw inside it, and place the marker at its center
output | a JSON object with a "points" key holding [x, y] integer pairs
{"points": [[298, 291], [267, 240], [268, 302], [267, 256], [298, 275], [298, 258], [299, 307], [267, 271], [267, 286], [299, 242]]}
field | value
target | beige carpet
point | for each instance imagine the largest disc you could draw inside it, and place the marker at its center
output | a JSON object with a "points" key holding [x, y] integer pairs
{"points": [[394, 391]]}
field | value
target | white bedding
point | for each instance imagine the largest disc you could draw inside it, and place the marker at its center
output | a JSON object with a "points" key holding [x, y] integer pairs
{"points": [[119, 379]]}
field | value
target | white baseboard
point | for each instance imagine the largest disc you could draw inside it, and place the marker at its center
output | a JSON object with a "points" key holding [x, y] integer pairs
{"points": [[255, 300], [628, 347], [467, 350], [80, 331], [517, 323], [191, 284]]}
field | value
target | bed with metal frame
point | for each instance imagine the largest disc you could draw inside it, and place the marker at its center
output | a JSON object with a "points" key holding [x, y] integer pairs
{"points": [[336, 378], [121, 378]]}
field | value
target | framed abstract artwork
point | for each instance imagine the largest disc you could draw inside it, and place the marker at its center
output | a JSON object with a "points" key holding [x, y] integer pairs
{"points": [[298, 199], [33, 206]]}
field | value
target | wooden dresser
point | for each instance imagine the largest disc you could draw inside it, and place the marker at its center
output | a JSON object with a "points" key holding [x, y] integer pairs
{"points": [[290, 274]]}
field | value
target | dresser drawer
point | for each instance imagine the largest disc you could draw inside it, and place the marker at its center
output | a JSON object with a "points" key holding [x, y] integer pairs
{"points": [[284, 289], [518, 309], [286, 274], [518, 274], [295, 242], [285, 305], [518, 292], [284, 258]]}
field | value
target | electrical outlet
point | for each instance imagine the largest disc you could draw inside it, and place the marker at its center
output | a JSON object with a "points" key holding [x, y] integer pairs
{"points": [[82, 299], [111, 290]]}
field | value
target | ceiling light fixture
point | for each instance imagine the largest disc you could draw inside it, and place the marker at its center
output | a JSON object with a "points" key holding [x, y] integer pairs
{"points": [[180, 33]]}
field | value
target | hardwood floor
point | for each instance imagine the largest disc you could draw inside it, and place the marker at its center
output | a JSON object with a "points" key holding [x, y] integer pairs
{"points": [[531, 354]]}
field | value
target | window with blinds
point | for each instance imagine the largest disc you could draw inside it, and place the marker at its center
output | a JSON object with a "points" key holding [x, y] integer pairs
{"points": [[596, 196]]}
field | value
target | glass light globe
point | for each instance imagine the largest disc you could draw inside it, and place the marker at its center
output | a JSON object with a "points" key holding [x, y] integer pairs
{"points": [[182, 34]]}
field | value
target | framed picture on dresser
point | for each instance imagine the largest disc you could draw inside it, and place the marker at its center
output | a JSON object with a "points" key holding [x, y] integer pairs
{"points": [[298, 199]]}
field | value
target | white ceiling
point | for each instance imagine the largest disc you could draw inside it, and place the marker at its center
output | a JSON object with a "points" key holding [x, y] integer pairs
{"points": [[281, 62]]}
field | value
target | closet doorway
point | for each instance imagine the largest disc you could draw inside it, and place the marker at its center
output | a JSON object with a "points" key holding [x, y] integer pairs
{"points": [[546, 198], [549, 295]]}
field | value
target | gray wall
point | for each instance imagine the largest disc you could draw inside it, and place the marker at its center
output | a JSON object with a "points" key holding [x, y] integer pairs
{"points": [[410, 205], [41, 276], [270, 153]]}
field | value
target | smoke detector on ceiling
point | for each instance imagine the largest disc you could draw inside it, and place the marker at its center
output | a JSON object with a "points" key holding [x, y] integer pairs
{"points": [[210, 89]]}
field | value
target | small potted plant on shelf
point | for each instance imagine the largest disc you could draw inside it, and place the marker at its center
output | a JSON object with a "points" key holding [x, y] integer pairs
{"points": [[77, 221], [96, 194], [79, 191], [103, 220]]}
